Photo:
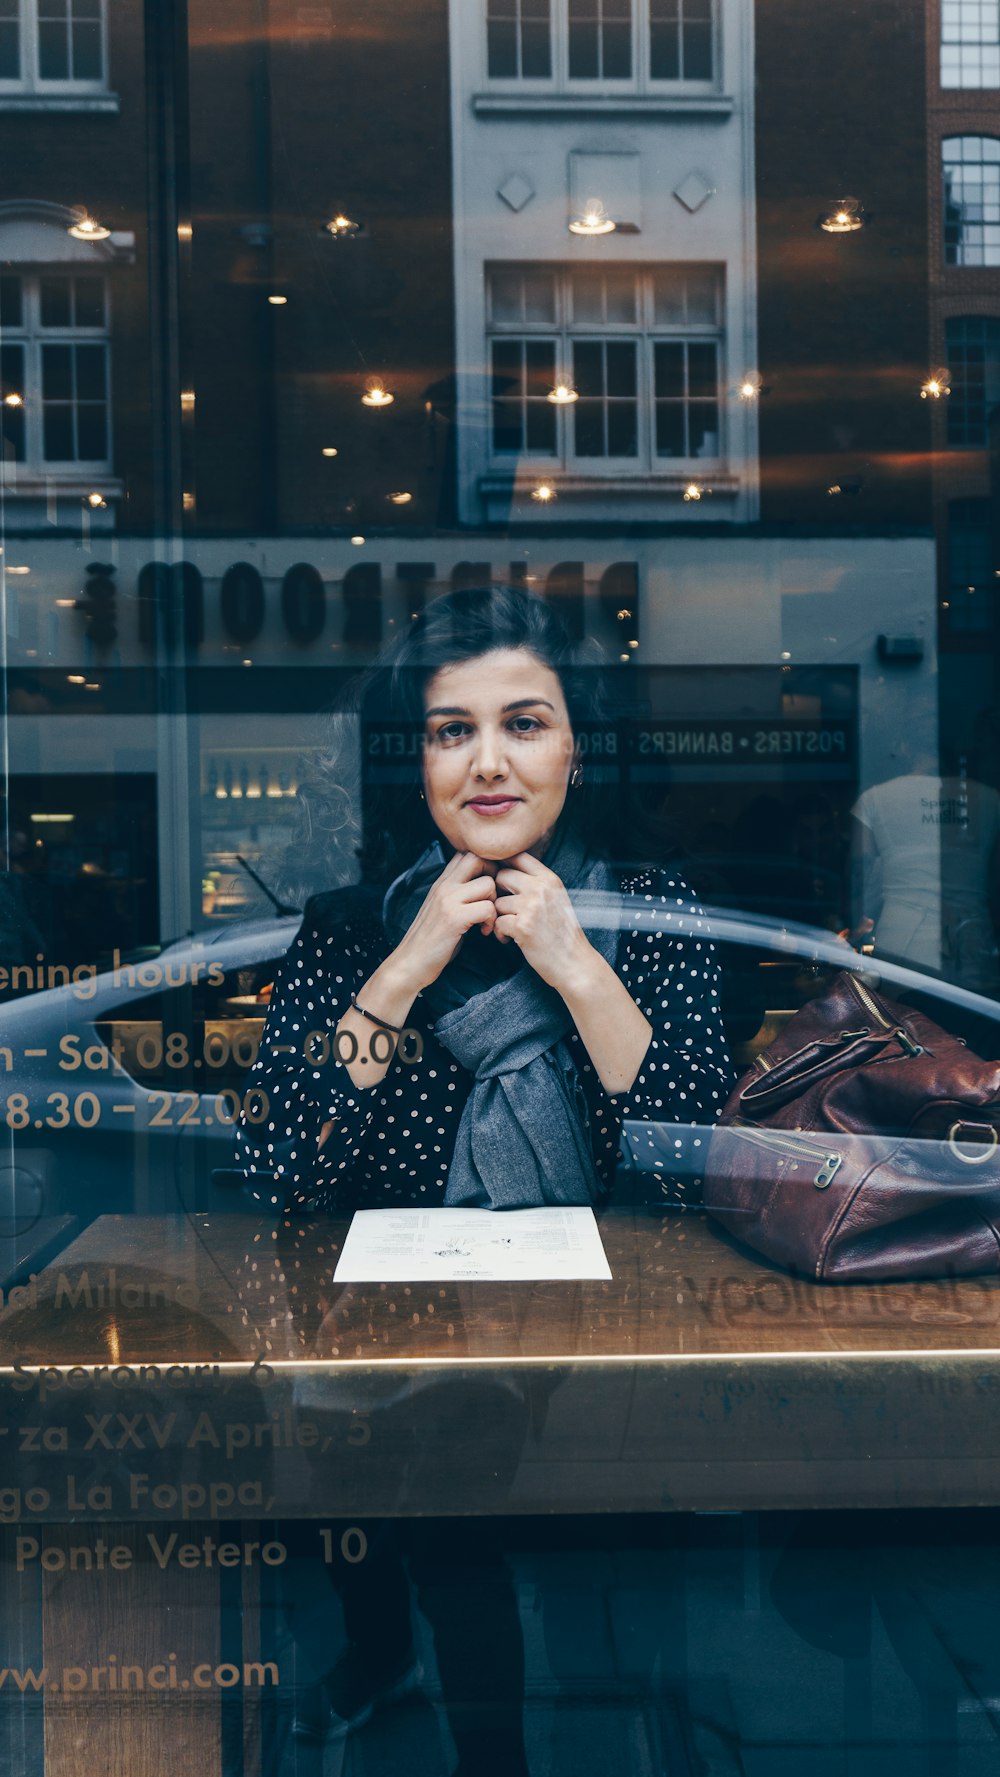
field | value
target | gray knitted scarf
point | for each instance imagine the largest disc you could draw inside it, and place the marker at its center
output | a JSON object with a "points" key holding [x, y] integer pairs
{"points": [[524, 1136]]}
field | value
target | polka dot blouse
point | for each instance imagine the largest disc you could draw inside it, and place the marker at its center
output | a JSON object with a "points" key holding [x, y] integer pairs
{"points": [[391, 1144]]}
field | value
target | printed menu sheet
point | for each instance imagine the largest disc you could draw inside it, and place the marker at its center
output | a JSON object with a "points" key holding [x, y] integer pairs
{"points": [[437, 1245]]}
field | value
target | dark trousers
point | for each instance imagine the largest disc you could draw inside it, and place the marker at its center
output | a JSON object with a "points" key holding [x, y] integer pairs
{"points": [[465, 1590]]}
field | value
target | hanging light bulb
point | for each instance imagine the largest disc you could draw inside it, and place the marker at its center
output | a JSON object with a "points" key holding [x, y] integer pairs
{"points": [[693, 491], [593, 219], [845, 216], [85, 228], [342, 227], [936, 385], [401, 499], [544, 493], [750, 385], [13, 400], [563, 394], [377, 395]]}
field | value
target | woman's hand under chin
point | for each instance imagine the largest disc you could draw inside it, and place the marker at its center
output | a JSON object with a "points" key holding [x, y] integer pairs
{"points": [[534, 910]]}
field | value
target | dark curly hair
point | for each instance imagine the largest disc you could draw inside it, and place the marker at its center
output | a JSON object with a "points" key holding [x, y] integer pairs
{"points": [[369, 807]]}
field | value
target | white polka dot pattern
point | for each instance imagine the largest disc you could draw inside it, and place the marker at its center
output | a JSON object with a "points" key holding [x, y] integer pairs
{"points": [[392, 1144]]}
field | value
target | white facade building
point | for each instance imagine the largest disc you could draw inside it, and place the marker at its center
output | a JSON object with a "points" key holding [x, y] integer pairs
{"points": [[636, 113]]}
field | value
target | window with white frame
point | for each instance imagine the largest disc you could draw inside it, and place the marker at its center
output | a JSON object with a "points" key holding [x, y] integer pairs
{"points": [[598, 366], [519, 36], [971, 170], [970, 43], [54, 372], [53, 46], [601, 40]]}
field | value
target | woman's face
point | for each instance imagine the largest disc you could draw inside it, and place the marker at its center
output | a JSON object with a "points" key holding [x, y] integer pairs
{"points": [[498, 752]]}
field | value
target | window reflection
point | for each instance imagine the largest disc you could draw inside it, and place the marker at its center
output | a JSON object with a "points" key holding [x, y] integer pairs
{"points": [[971, 200]]}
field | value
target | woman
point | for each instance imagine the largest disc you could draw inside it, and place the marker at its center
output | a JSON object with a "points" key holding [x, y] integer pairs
{"points": [[536, 1037]]}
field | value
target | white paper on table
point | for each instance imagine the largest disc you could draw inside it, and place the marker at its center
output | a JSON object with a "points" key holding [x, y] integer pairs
{"points": [[436, 1245]]}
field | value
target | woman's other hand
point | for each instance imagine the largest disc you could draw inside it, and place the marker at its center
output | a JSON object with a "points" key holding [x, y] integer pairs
{"points": [[463, 896], [534, 910]]}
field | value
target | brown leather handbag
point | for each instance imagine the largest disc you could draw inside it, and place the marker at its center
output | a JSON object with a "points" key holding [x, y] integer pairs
{"points": [[864, 1143]]}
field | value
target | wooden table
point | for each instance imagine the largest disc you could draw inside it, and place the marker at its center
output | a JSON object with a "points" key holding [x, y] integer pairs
{"points": [[697, 1379]]}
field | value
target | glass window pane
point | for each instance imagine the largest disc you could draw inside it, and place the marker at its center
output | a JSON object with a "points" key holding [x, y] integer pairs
{"points": [[507, 296], [539, 296], [702, 370], [10, 50], [702, 294], [541, 428], [669, 300], [670, 430], [10, 302], [584, 60], [12, 430], [540, 367], [698, 52], [87, 51], [588, 368], [620, 295], [58, 435], [57, 373], [12, 384], [89, 302], [92, 433], [588, 426], [55, 302], [502, 49], [621, 369], [664, 52], [703, 429], [669, 364], [536, 49], [623, 438], [588, 296], [617, 51], [90, 373], [53, 51]]}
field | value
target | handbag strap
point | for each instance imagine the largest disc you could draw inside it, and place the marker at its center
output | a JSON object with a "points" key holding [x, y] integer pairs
{"points": [[815, 1061]]}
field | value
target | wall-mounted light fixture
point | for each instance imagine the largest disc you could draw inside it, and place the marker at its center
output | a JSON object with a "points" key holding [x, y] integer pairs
{"points": [[563, 395], [377, 395], [592, 220], [86, 228], [544, 493]]}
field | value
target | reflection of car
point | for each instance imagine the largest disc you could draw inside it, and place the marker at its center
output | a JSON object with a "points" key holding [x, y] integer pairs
{"points": [[121, 1090]]}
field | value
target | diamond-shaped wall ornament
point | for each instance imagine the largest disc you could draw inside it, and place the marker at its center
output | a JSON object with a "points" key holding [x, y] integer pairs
{"points": [[516, 191], [693, 191]]}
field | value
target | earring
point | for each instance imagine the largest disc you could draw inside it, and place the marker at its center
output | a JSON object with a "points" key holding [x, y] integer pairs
{"points": [[423, 798], [576, 779]]}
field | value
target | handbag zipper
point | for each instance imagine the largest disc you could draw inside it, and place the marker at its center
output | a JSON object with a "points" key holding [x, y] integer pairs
{"points": [[897, 1030], [793, 1144]]}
